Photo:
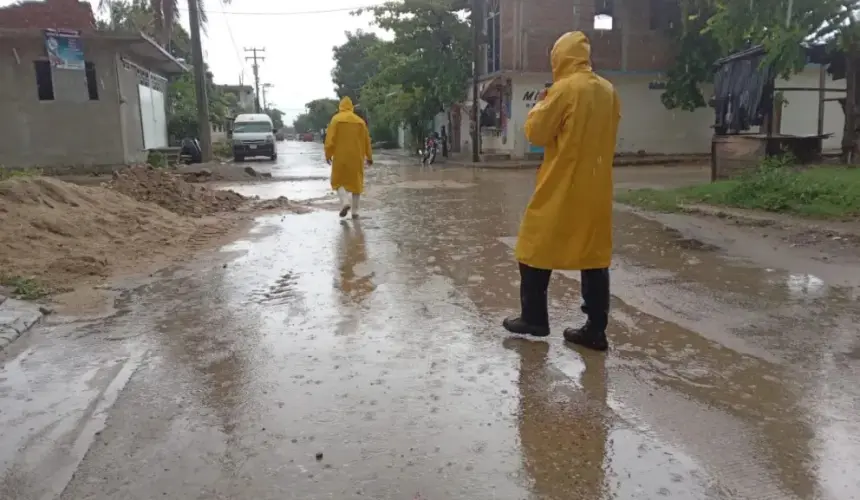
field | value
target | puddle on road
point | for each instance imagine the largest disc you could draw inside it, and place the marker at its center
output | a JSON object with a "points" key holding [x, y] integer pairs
{"points": [[293, 190], [342, 359]]}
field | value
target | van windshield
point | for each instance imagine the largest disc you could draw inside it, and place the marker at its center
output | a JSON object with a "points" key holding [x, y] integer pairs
{"points": [[252, 127]]}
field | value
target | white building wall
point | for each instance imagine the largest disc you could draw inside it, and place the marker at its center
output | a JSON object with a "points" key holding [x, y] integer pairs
{"points": [[800, 114], [524, 90], [646, 125]]}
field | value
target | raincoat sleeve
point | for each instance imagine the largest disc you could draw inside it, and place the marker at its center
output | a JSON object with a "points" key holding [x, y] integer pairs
{"points": [[544, 121], [368, 149], [329, 140]]}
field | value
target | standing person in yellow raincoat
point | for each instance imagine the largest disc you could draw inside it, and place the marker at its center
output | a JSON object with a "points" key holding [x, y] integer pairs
{"points": [[568, 222], [347, 147]]}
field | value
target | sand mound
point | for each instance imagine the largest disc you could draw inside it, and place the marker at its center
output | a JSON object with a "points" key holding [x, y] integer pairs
{"points": [[59, 232], [171, 191]]}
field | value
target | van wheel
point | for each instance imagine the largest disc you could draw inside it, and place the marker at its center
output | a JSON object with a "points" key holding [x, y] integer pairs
{"points": [[274, 157], [237, 158]]}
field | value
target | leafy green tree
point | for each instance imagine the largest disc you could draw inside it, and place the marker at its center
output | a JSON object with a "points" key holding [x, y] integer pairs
{"points": [[355, 63], [165, 16], [317, 116], [425, 68], [277, 117], [302, 124], [710, 29]]}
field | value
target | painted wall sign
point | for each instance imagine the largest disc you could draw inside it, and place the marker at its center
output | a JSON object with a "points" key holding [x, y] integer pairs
{"points": [[64, 49]]}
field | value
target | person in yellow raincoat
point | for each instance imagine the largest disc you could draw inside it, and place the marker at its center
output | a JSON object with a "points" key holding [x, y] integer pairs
{"points": [[568, 222], [347, 147]]}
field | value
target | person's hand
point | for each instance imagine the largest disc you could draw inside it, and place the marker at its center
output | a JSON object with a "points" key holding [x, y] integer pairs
{"points": [[542, 94], [328, 160], [369, 163]]}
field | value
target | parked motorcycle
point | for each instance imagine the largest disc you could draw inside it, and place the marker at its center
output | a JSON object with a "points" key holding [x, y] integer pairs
{"points": [[190, 151], [431, 147]]}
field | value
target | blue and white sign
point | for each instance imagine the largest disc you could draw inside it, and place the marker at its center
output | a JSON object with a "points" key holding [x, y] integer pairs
{"points": [[64, 49]]}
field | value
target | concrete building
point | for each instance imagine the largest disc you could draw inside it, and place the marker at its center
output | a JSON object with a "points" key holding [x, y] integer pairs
{"points": [[109, 113], [244, 104], [629, 48], [244, 94]]}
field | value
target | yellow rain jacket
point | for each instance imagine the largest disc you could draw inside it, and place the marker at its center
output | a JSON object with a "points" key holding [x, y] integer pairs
{"points": [[568, 222], [347, 146]]}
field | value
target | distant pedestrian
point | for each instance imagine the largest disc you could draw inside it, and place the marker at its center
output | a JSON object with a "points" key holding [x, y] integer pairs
{"points": [[347, 147], [444, 142], [568, 222]]}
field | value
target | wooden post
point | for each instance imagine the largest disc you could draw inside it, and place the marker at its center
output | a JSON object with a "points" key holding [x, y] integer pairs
{"points": [[822, 82]]}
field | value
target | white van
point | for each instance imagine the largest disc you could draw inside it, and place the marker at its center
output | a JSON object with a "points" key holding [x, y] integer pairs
{"points": [[253, 135]]}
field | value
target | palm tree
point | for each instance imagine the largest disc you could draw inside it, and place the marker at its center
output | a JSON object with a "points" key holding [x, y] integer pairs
{"points": [[162, 15]]}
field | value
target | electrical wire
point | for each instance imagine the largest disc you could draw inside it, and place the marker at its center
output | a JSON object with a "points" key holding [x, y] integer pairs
{"points": [[295, 13], [235, 46]]}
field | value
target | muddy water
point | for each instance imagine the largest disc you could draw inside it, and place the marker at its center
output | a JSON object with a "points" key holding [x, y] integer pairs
{"points": [[363, 359]]}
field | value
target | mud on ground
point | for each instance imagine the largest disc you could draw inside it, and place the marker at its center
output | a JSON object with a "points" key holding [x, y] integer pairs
{"points": [[63, 235]]}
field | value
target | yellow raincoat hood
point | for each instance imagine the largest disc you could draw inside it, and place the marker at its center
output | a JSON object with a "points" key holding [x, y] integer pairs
{"points": [[568, 223], [570, 54], [346, 105]]}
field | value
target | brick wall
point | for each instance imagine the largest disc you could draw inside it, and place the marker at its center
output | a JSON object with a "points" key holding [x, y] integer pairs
{"points": [[69, 14], [531, 27]]}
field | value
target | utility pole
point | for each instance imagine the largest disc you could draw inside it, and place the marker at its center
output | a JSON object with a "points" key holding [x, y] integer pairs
{"points": [[204, 127], [265, 101], [477, 16], [256, 67]]}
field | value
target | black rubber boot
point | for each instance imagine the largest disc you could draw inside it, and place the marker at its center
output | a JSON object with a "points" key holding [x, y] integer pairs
{"points": [[587, 337], [519, 326]]}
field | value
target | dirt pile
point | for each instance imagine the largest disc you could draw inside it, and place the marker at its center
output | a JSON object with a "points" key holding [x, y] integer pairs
{"points": [[59, 232], [172, 192]]}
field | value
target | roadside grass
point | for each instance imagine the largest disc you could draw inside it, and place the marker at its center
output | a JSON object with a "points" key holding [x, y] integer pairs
{"points": [[819, 192], [17, 173], [24, 288], [222, 149]]}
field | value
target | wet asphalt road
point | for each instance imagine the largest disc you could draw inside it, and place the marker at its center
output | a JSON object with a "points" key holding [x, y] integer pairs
{"points": [[364, 359]]}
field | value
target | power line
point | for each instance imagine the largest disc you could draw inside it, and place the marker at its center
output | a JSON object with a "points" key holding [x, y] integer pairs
{"points": [[296, 13], [235, 45]]}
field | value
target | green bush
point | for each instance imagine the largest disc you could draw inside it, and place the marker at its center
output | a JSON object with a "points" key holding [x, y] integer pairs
{"points": [[222, 149], [157, 159], [24, 288], [16, 173]]}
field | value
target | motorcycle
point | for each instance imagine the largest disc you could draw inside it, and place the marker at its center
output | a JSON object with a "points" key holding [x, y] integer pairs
{"points": [[430, 149]]}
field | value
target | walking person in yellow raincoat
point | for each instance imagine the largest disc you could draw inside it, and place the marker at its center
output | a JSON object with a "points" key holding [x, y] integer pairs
{"points": [[568, 222], [347, 147]]}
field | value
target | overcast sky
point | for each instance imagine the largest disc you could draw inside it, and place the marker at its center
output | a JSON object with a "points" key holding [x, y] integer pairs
{"points": [[298, 38]]}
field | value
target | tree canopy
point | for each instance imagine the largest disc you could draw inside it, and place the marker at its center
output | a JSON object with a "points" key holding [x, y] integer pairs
{"points": [[410, 79], [164, 16], [425, 68], [355, 63], [317, 115], [710, 29]]}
